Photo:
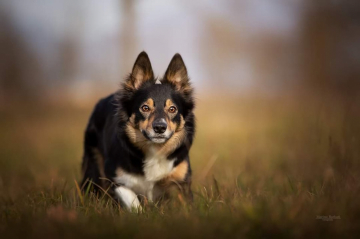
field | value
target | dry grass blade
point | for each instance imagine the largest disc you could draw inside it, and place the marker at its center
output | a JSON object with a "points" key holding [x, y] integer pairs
{"points": [[79, 193]]}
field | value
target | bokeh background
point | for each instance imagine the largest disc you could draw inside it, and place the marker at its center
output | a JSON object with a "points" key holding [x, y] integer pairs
{"points": [[51, 47], [277, 89]]}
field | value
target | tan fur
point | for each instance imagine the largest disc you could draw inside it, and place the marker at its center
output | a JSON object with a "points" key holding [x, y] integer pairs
{"points": [[168, 103], [133, 83], [177, 175], [143, 125], [135, 136], [173, 126], [150, 103], [179, 172], [173, 143], [138, 77], [141, 72], [138, 139], [177, 78], [119, 171], [132, 119], [149, 117], [180, 80]]}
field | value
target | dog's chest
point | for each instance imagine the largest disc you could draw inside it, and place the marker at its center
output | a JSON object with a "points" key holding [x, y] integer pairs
{"points": [[155, 167]]}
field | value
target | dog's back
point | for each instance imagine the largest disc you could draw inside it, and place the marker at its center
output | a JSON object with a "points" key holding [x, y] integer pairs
{"points": [[99, 126]]}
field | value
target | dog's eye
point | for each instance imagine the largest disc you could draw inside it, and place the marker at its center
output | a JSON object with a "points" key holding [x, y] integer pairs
{"points": [[172, 109], [145, 108]]}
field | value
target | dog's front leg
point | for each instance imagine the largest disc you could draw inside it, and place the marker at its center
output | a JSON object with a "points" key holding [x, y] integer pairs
{"points": [[186, 190], [128, 198]]}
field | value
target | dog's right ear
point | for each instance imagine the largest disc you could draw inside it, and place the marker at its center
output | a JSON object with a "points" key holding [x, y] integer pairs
{"points": [[141, 72]]}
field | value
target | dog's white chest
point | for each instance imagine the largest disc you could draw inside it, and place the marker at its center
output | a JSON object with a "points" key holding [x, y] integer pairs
{"points": [[136, 183], [156, 166]]}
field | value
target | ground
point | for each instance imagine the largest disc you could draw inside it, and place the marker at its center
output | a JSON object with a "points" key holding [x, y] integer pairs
{"points": [[263, 166]]}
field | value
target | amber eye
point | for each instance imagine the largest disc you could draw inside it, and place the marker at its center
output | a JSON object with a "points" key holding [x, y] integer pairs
{"points": [[172, 109], [145, 108]]}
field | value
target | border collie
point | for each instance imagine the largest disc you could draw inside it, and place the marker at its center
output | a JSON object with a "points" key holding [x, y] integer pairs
{"points": [[139, 137]]}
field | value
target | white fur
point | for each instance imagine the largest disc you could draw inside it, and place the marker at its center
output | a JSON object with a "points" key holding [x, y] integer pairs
{"points": [[128, 197], [136, 183], [156, 166]]}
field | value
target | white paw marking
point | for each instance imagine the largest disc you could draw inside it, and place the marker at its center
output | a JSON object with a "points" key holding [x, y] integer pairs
{"points": [[129, 198], [136, 183], [156, 167]]}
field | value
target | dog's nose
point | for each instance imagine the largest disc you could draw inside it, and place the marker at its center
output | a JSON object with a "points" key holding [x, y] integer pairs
{"points": [[159, 126]]}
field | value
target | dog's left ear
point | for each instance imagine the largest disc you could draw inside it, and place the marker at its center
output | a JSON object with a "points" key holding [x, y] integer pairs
{"points": [[176, 74]]}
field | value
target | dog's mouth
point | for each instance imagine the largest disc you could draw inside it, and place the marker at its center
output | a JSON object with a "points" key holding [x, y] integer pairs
{"points": [[157, 138]]}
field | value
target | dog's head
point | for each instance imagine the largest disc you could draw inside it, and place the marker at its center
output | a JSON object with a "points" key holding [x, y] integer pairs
{"points": [[155, 110]]}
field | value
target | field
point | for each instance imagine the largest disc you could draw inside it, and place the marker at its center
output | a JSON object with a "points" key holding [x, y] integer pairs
{"points": [[283, 166]]}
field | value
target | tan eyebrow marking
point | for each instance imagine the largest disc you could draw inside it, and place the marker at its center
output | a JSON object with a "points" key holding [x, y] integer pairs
{"points": [[168, 103], [150, 102]]}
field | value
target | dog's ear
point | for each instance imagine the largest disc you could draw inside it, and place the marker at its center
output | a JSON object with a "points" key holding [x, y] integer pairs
{"points": [[177, 75], [141, 72]]}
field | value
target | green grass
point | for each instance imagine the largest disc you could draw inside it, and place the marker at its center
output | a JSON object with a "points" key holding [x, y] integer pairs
{"points": [[262, 167]]}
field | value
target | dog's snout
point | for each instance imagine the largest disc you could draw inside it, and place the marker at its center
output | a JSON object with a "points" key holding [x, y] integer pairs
{"points": [[159, 126]]}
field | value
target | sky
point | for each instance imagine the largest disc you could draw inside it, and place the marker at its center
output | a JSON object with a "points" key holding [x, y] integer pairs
{"points": [[162, 28]]}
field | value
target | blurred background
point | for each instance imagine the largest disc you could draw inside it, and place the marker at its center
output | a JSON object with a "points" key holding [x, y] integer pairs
{"points": [[278, 119], [282, 75], [50, 49]]}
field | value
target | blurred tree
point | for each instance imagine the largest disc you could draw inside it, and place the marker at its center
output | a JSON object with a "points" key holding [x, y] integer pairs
{"points": [[20, 71], [70, 44], [69, 61], [331, 46], [239, 56], [128, 36]]}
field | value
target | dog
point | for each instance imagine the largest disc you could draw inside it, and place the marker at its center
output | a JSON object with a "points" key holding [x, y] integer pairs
{"points": [[139, 137]]}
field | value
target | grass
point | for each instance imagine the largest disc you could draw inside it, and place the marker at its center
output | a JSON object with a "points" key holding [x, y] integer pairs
{"points": [[262, 167]]}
